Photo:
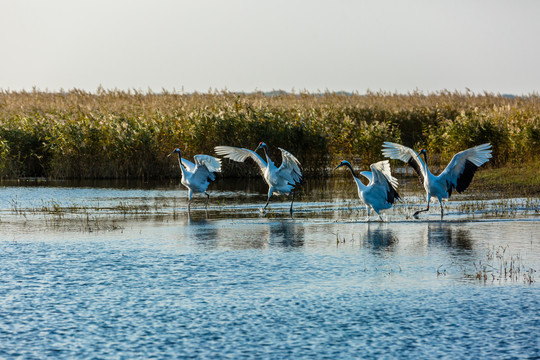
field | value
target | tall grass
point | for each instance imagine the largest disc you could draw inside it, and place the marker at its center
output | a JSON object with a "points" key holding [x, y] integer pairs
{"points": [[127, 134]]}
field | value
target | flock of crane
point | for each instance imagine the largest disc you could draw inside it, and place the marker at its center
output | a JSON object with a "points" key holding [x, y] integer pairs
{"points": [[380, 193]]}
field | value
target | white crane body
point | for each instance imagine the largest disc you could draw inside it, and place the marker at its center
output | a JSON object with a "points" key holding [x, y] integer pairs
{"points": [[197, 176], [280, 180], [381, 191], [457, 175]]}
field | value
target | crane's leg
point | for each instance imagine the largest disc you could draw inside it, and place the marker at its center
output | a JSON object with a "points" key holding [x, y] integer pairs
{"points": [[207, 199], [270, 192], [368, 213], [292, 202], [190, 194], [380, 217], [415, 215], [442, 208]]}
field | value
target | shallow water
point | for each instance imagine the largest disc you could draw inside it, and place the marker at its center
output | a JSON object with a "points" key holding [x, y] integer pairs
{"points": [[123, 272]]}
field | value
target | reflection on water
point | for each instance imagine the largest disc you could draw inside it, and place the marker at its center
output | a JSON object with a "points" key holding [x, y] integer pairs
{"points": [[380, 237], [266, 233], [286, 234], [201, 232], [449, 235]]}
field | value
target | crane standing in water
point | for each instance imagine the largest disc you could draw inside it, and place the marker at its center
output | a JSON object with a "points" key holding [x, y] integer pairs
{"points": [[280, 180], [196, 177], [381, 191], [457, 175]]}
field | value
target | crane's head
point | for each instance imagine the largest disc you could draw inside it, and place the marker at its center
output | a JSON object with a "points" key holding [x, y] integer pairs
{"points": [[422, 151], [175, 151], [262, 145], [343, 163]]}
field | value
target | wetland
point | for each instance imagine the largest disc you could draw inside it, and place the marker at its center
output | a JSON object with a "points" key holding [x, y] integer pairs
{"points": [[119, 269]]}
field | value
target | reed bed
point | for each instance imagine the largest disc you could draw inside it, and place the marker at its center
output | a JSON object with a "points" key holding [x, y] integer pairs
{"points": [[127, 134]]}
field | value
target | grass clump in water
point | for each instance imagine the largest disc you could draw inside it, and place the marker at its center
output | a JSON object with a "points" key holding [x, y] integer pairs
{"points": [[500, 266]]}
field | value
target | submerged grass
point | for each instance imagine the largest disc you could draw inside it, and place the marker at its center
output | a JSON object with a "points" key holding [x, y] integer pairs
{"points": [[127, 134], [499, 265]]}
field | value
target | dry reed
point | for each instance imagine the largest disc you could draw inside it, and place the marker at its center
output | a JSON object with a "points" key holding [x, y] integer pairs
{"points": [[126, 134]]}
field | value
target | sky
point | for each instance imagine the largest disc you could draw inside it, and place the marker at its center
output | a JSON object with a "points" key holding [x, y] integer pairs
{"points": [[252, 45]]}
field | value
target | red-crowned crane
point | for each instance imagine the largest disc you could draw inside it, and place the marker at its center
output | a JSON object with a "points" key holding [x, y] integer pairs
{"points": [[381, 191], [457, 175], [280, 180], [196, 177]]}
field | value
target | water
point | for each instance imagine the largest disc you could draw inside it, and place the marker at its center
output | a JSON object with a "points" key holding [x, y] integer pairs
{"points": [[123, 272]]}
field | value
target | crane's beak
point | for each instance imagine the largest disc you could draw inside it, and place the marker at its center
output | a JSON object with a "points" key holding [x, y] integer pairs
{"points": [[337, 167], [258, 147]]}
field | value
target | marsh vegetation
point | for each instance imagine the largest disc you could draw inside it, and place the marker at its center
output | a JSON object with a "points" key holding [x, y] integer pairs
{"points": [[118, 134]]}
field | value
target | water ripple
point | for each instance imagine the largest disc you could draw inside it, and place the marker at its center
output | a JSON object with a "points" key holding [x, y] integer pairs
{"points": [[273, 287]]}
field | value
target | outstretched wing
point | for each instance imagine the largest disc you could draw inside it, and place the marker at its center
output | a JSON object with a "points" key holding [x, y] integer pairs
{"points": [[290, 167], [368, 175], [406, 154], [201, 175], [240, 154], [460, 171], [212, 164], [188, 165], [384, 168], [383, 180]]}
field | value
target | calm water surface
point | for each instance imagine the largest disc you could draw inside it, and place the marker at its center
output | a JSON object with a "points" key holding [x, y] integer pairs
{"points": [[123, 272]]}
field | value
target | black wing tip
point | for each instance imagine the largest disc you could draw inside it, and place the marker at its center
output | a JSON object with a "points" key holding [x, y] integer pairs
{"points": [[297, 182], [392, 194], [211, 176], [464, 180], [416, 168], [449, 188]]}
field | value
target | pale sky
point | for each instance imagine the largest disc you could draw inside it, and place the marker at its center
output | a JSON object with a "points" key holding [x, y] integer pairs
{"points": [[349, 45]]}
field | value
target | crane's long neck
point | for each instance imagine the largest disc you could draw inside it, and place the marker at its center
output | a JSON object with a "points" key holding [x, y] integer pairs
{"points": [[425, 163], [182, 169], [267, 157], [352, 170], [361, 187]]}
